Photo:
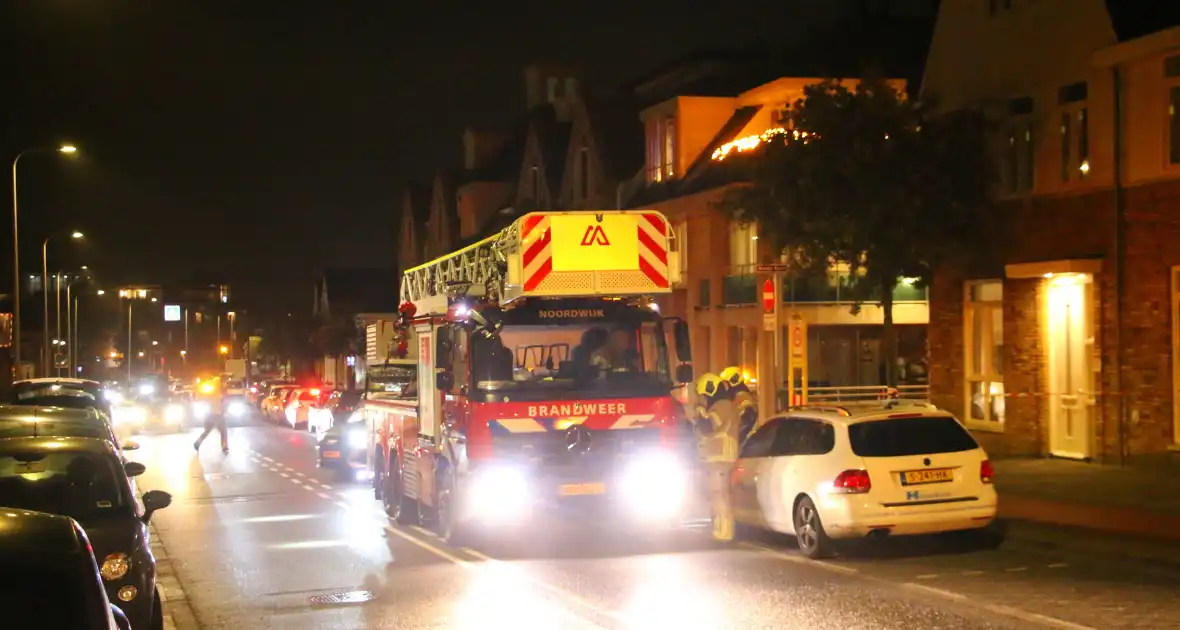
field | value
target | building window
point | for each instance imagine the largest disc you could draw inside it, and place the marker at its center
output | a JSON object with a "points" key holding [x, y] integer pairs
{"points": [[705, 293], [679, 244], [1019, 150], [983, 329], [1075, 132], [1172, 83], [743, 246], [669, 152]]}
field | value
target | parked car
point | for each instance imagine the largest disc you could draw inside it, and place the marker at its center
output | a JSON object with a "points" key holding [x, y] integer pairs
{"points": [[59, 584], [28, 421], [299, 406], [825, 473], [94, 388], [274, 403], [338, 407], [87, 480]]}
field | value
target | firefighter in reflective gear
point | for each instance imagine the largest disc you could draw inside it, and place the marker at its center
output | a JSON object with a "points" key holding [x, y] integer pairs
{"points": [[719, 447], [743, 399]]}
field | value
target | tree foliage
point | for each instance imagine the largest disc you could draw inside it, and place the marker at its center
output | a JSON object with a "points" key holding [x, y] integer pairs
{"points": [[869, 180]]}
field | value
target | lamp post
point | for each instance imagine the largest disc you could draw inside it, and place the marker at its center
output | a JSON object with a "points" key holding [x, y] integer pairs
{"points": [[131, 295], [16, 332], [45, 294]]}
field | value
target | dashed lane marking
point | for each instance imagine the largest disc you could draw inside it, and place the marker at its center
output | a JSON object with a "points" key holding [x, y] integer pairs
{"points": [[324, 496], [1058, 565], [325, 486], [1016, 569], [307, 487], [284, 475], [828, 566]]}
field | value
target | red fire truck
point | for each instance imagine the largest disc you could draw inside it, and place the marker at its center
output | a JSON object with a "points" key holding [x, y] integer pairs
{"points": [[546, 377]]}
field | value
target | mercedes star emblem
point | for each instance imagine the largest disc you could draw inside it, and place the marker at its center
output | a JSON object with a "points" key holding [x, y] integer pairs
{"points": [[578, 439]]}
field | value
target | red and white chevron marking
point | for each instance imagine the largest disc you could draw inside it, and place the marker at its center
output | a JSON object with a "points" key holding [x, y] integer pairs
{"points": [[536, 239], [653, 248]]}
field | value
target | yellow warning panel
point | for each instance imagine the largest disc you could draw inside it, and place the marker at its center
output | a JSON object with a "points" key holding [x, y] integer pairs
{"points": [[580, 242]]}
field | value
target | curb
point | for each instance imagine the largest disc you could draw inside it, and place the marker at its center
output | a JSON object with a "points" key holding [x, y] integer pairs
{"points": [[1154, 555], [1111, 520], [178, 614]]}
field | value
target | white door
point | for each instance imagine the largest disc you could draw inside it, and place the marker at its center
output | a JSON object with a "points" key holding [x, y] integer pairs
{"points": [[1069, 342]]}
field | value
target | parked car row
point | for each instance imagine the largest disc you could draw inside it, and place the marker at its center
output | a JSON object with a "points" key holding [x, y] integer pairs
{"points": [[76, 527]]}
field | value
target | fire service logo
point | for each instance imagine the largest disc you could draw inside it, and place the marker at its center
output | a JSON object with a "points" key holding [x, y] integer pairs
{"points": [[572, 313], [574, 410], [595, 236]]}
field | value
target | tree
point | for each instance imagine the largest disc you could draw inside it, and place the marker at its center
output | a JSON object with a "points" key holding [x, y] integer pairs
{"points": [[867, 179]]}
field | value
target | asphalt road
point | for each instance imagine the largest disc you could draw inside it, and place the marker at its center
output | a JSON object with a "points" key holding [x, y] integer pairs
{"points": [[261, 538]]}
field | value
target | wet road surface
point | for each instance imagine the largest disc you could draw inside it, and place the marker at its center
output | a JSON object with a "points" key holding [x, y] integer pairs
{"points": [[262, 538]]}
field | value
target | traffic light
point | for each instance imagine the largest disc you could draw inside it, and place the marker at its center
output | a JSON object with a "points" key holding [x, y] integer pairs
{"points": [[224, 349]]}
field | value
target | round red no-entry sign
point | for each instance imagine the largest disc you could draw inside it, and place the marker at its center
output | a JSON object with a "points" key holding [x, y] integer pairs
{"points": [[768, 297]]}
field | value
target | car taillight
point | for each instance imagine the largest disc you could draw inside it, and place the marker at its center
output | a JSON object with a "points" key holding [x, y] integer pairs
{"points": [[852, 482], [987, 473]]}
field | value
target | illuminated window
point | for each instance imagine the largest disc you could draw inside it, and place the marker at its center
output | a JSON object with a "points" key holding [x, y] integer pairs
{"points": [[743, 246], [983, 330], [669, 153], [679, 244], [1172, 83]]}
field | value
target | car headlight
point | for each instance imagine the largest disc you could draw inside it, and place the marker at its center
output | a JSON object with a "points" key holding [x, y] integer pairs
{"points": [[174, 413], [236, 409], [112, 396], [656, 485], [201, 409], [129, 415], [356, 416], [499, 492], [147, 389], [115, 566], [357, 440]]}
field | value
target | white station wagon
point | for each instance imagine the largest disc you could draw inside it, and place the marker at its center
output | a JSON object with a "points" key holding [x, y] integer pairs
{"points": [[896, 467]]}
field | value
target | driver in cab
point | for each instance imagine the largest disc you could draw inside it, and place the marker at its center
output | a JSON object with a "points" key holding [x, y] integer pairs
{"points": [[617, 354]]}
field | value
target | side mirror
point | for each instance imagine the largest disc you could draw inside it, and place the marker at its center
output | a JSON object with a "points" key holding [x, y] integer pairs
{"points": [[684, 373], [154, 500], [129, 445], [134, 469], [683, 343], [443, 347], [444, 381]]}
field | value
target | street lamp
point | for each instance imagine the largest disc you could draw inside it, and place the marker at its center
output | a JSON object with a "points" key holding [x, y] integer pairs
{"points": [[76, 336], [16, 332], [131, 294], [76, 235]]}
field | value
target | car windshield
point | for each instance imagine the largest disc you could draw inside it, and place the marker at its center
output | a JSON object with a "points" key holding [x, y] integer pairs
{"points": [[85, 486], [51, 592], [392, 380], [583, 356], [902, 437]]}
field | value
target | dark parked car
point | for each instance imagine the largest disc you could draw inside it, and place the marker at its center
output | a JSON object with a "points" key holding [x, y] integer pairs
{"points": [[53, 577], [22, 421], [87, 480]]}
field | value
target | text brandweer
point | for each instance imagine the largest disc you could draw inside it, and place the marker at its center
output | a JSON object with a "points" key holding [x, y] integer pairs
{"points": [[577, 409], [572, 313]]}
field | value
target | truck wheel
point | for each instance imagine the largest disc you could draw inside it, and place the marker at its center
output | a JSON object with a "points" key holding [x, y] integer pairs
{"points": [[397, 506]]}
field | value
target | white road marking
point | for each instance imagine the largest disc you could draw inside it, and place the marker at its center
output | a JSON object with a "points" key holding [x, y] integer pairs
{"points": [[324, 496], [927, 576], [1016, 569], [1000, 610], [467, 564], [308, 488], [284, 475], [325, 486], [797, 559], [1058, 565]]}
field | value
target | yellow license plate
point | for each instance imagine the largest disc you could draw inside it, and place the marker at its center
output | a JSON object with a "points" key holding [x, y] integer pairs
{"points": [[919, 477], [580, 489], [331, 454]]}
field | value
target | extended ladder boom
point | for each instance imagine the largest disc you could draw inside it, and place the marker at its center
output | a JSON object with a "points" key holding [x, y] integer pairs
{"points": [[553, 254]]}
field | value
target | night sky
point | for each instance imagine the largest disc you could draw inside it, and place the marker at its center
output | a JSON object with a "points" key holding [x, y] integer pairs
{"points": [[257, 141]]}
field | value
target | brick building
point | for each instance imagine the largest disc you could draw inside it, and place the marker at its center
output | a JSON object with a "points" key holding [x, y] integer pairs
{"points": [[1067, 345]]}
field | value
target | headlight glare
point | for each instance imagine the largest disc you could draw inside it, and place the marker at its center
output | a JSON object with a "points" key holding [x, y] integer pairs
{"points": [[174, 413], [656, 485], [236, 409], [357, 440], [115, 566], [201, 409], [499, 492]]}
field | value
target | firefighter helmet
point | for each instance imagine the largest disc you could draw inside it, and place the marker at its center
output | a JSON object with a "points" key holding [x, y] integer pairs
{"points": [[732, 376], [709, 385]]}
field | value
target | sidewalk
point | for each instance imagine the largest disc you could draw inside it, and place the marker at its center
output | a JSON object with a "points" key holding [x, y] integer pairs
{"points": [[1140, 501]]}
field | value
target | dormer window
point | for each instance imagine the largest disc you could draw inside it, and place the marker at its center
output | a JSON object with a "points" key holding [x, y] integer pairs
{"points": [[661, 149]]}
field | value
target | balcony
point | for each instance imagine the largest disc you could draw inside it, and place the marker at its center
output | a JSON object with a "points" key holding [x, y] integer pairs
{"points": [[741, 289]]}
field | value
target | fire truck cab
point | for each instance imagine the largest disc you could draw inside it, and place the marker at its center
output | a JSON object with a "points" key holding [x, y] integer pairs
{"points": [[546, 378]]}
